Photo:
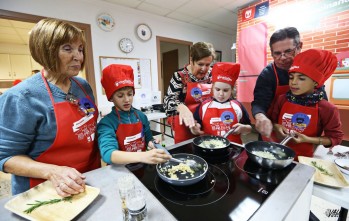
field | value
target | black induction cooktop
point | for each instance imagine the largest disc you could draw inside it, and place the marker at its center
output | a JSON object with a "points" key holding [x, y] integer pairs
{"points": [[233, 189]]}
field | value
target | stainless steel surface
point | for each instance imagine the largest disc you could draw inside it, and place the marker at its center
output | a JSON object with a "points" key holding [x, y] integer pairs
{"points": [[288, 193], [107, 206]]}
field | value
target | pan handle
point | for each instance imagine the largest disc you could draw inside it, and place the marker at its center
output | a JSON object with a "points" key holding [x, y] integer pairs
{"points": [[286, 139], [159, 146], [237, 144]]}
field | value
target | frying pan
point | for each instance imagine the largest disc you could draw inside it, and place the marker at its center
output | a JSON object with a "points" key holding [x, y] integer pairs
{"points": [[283, 154], [211, 149], [183, 178]]}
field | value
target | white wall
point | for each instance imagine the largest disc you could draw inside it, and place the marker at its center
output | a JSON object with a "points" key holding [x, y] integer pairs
{"points": [[106, 43]]}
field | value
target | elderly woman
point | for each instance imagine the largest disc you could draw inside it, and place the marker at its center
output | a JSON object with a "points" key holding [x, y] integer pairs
{"points": [[48, 121], [188, 87]]}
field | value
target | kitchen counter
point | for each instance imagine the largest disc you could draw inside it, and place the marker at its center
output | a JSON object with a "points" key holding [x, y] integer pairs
{"points": [[339, 196], [290, 201], [107, 206]]}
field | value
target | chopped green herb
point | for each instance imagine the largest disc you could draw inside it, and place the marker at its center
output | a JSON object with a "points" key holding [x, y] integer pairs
{"points": [[38, 203], [322, 170]]}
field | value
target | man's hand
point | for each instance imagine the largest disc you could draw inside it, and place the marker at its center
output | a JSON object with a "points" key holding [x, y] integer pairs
{"points": [[263, 125]]}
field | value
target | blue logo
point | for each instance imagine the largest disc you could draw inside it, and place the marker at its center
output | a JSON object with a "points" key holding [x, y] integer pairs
{"points": [[86, 106], [196, 93], [227, 117], [300, 121]]}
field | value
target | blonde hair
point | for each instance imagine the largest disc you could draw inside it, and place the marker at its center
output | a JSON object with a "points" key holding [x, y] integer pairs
{"points": [[47, 36]]}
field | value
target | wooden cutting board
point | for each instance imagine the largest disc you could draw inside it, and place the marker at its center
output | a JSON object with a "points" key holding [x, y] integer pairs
{"points": [[59, 211], [337, 180]]}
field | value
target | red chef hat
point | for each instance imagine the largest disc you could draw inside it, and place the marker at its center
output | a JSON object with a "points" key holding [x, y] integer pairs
{"points": [[116, 76], [226, 72], [317, 64]]}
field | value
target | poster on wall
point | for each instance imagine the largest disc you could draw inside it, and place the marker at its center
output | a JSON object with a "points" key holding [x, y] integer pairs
{"points": [[248, 14], [141, 68], [261, 10], [255, 11]]}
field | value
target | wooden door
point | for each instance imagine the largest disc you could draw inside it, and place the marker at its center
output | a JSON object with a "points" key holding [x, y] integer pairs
{"points": [[169, 66]]}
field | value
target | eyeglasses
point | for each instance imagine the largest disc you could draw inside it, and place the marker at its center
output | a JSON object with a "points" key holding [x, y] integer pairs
{"points": [[287, 53]]}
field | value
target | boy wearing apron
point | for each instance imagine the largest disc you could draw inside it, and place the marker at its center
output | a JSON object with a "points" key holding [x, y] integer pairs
{"points": [[124, 133], [303, 110]]}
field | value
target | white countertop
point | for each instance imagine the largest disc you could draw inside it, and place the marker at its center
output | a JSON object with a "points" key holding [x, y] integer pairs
{"points": [[339, 196]]}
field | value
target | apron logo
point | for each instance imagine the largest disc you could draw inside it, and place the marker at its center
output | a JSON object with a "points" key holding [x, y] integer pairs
{"points": [[86, 106], [196, 93], [227, 117], [298, 121]]}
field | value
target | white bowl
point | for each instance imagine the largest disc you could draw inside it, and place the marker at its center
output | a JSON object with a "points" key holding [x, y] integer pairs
{"points": [[343, 165]]}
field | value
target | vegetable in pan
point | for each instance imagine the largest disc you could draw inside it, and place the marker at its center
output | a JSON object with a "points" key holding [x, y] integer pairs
{"points": [[182, 168], [264, 154], [213, 143]]}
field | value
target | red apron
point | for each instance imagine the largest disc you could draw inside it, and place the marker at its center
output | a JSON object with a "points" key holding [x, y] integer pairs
{"points": [[302, 119], [219, 121], [75, 144], [130, 136], [279, 91], [196, 93]]}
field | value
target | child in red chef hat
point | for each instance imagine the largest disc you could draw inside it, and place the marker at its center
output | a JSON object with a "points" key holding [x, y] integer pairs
{"points": [[303, 109], [216, 116], [123, 134]]}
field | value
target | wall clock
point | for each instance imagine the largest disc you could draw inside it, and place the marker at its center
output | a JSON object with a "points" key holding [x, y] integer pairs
{"points": [[126, 45], [143, 32], [105, 22]]}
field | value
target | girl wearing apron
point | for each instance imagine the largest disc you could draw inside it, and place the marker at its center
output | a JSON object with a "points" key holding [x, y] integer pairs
{"points": [[303, 108], [220, 114], [124, 134]]}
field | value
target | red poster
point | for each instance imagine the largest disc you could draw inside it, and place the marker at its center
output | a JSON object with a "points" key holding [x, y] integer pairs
{"points": [[248, 13]]}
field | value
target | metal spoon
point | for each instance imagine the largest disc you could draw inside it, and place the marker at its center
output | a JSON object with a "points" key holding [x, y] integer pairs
{"points": [[189, 162]]}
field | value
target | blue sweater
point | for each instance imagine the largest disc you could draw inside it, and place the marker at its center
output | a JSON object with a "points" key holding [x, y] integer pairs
{"points": [[106, 130], [27, 121]]}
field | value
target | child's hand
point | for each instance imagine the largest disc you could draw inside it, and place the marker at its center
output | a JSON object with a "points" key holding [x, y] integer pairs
{"points": [[196, 130], [281, 131], [151, 144], [241, 129], [155, 156], [300, 138]]}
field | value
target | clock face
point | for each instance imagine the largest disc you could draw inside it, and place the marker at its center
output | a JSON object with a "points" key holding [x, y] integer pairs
{"points": [[126, 45]]}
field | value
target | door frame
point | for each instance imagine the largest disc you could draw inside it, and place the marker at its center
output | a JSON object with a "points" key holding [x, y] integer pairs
{"points": [[89, 67], [160, 39]]}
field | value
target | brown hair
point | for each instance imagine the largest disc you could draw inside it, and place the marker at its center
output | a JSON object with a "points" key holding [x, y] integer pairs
{"points": [[201, 50], [46, 38]]}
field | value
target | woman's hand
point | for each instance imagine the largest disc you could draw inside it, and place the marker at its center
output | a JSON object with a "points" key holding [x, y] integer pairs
{"points": [[185, 116], [155, 156], [67, 181]]}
